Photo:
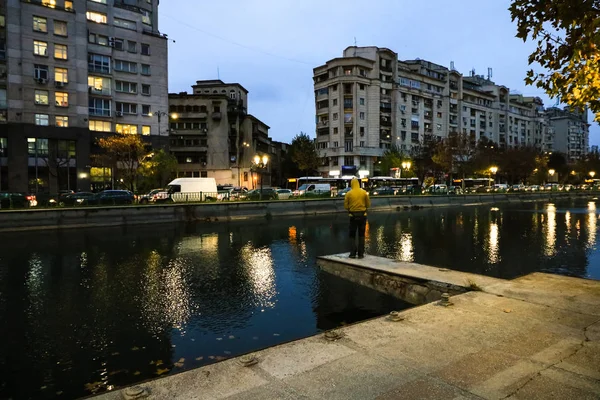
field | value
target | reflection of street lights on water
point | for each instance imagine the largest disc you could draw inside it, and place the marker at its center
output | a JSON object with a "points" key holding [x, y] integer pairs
{"points": [[260, 163]]}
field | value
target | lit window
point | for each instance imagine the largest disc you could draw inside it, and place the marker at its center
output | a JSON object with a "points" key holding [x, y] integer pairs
{"points": [[128, 129], [40, 48], [99, 1], [146, 17], [62, 121], [49, 3], [60, 51], [69, 5], [41, 119], [100, 126], [99, 85], [61, 75], [62, 99], [145, 129], [96, 17], [40, 24], [60, 28], [41, 97]]}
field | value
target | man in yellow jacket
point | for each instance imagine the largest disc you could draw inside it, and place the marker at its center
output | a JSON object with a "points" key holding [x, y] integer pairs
{"points": [[357, 202]]}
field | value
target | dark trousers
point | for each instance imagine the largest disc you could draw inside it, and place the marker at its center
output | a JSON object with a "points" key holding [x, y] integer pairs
{"points": [[357, 224]]}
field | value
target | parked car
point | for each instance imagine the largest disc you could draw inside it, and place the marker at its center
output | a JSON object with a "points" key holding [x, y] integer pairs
{"points": [[239, 193], [110, 197], [438, 189], [74, 199], [151, 196], [383, 191], [314, 190], [284, 194], [267, 194], [342, 193], [455, 190], [13, 200]]}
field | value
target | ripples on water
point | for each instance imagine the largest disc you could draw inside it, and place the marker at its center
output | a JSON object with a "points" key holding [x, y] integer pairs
{"points": [[91, 310]]}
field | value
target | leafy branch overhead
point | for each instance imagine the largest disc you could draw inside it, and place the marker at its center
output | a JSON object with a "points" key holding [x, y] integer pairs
{"points": [[568, 39]]}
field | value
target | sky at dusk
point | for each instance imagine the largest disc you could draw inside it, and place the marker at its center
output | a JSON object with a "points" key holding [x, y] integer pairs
{"points": [[271, 46]]}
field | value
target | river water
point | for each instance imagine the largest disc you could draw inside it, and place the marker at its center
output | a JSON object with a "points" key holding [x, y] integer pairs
{"points": [[91, 310]]}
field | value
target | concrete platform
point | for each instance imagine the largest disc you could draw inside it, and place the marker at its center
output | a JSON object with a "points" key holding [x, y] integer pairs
{"points": [[536, 337]]}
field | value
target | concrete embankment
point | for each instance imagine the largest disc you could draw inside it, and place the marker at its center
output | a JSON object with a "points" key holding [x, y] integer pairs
{"points": [[63, 218], [535, 337]]}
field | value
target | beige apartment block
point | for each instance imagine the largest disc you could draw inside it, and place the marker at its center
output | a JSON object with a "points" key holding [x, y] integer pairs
{"points": [[212, 135], [368, 100], [76, 70]]}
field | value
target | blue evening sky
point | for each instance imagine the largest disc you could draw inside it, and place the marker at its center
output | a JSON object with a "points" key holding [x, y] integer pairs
{"points": [[271, 46]]}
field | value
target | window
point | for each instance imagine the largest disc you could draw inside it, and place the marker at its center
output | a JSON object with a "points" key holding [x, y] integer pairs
{"points": [[60, 51], [96, 17], [439, 127], [146, 17], [62, 121], [362, 131], [61, 75], [348, 147], [60, 28], [41, 119], [99, 85], [40, 72], [335, 116], [349, 160], [362, 144], [131, 46], [126, 87], [146, 91], [100, 126], [361, 86], [439, 115], [118, 44], [125, 128], [41, 97], [40, 48], [335, 131], [126, 108], [99, 63], [69, 5], [362, 115], [146, 71], [2, 24], [145, 130], [100, 40], [145, 109], [40, 24], [62, 99], [362, 101], [49, 3], [98, 106], [125, 23], [99, 1], [145, 49], [126, 66], [335, 102]]}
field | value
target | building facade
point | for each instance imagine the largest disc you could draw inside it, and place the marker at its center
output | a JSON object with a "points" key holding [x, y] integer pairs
{"points": [[368, 100], [76, 70], [212, 135], [568, 133]]}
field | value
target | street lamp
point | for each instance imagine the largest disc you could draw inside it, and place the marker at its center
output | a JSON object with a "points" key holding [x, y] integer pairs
{"points": [[592, 174], [405, 165], [493, 171], [260, 163], [160, 114]]}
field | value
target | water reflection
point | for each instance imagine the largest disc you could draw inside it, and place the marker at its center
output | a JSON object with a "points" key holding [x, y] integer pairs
{"points": [[259, 264], [493, 246], [550, 249], [591, 224]]}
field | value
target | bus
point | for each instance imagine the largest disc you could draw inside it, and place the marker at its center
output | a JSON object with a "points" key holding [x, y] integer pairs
{"points": [[473, 185], [403, 185], [337, 184]]}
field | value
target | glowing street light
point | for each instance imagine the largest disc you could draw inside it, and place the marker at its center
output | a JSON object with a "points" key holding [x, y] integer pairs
{"points": [[592, 174], [551, 172], [261, 163], [406, 164], [493, 170]]}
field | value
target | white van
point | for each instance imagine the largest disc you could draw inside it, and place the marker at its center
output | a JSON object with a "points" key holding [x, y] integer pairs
{"points": [[192, 189], [313, 189]]}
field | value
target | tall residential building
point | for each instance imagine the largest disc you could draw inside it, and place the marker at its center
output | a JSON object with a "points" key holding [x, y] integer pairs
{"points": [[368, 100], [75, 70], [568, 133], [212, 135]]}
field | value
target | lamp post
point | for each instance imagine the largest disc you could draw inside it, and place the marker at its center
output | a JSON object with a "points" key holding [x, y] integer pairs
{"points": [[160, 114], [551, 172], [261, 163], [493, 171], [592, 174]]}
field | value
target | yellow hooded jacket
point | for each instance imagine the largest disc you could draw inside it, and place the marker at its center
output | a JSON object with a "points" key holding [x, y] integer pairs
{"points": [[357, 200]]}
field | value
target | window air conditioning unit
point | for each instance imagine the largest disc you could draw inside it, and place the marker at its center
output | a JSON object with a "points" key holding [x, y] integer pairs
{"points": [[42, 80], [119, 113], [204, 130], [111, 41]]}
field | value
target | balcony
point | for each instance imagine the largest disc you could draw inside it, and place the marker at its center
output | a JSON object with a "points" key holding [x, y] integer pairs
{"points": [[103, 91], [99, 112], [428, 115], [99, 69], [323, 131], [323, 123], [216, 116], [386, 122]]}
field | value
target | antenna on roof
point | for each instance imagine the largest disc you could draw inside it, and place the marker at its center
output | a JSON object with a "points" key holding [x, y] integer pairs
{"points": [[355, 46], [452, 66], [218, 74], [473, 72], [489, 73]]}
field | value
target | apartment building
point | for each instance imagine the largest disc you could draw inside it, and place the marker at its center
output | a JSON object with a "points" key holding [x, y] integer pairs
{"points": [[368, 100], [76, 70], [212, 135], [568, 133]]}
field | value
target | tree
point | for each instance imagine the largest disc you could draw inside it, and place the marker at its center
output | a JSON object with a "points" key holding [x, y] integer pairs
{"points": [[567, 47], [455, 154], [158, 169], [392, 158], [124, 152], [304, 153], [521, 164], [422, 155]]}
